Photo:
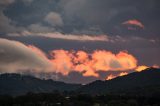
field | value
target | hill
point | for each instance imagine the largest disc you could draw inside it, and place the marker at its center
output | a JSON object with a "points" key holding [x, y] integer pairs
{"points": [[146, 82], [16, 84]]}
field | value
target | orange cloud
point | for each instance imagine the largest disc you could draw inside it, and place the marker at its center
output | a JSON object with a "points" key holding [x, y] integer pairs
{"points": [[37, 50], [141, 68], [134, 22], [155, 66], [61, 61], [111, 76], [123, 73], [90, 63]]}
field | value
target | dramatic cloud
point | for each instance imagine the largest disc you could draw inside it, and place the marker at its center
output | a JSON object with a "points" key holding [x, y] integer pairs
{"points": [[54, 19], [17, 57], [90, 63]]}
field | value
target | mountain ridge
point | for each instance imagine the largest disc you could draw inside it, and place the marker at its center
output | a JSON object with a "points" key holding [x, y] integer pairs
{"points": [[145, 82], [125, 84], [16, 84]]}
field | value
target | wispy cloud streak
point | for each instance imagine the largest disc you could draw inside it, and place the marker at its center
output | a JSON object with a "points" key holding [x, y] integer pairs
{"points": [[57, 35]]}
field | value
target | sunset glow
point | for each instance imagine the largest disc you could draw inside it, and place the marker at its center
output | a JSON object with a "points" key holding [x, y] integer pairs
{"points": [[141, 68], [99, 60], [89, 64], [79, 41]]}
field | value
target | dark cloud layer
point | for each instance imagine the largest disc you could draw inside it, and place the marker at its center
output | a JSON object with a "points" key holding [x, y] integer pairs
{"points": [[85, 16]]}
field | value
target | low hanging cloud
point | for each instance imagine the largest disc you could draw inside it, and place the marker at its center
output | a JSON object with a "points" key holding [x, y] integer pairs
{"points": [[137, 69], [143, 67], [17, 57], [111, 76]]}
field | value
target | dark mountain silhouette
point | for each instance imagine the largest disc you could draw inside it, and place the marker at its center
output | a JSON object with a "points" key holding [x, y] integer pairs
{"points": [[142, 83], [16, 84], [146, 82]]}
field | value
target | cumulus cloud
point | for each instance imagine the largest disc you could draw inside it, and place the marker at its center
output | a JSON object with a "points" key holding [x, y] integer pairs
{"points": [[54, 19], [90, 63], [17, 57]]}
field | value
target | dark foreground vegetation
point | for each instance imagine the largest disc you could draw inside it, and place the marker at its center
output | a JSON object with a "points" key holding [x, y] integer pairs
{"points": [[72, 99]]}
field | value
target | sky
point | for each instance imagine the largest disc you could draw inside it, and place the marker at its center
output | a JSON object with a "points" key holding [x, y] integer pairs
{"points": [[79, 41]]}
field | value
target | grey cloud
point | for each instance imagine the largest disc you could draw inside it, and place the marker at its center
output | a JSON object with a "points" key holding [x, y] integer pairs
{"points": [[15, 57], [110, 14], [27, 1], [54, 19], [80, 16], [6, 2], [57, 35], [6, 24], [40, 28]]}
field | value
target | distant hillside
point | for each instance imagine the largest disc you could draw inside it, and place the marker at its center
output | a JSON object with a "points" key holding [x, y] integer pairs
{"points": [[16, 84], [142, 83], [146, 82]]}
